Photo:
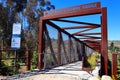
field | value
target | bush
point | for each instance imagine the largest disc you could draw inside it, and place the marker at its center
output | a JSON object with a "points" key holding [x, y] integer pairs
{"points": [[92, 59], [6, 70], [34, 60]]}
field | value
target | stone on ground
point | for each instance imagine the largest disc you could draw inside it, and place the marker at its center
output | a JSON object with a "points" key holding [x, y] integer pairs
{"points": [[105, 77]]}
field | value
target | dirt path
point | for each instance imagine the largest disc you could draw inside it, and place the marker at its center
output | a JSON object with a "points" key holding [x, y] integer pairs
{"points": [[71, 71]]}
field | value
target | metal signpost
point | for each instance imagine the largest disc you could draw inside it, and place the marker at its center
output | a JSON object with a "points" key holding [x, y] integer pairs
{"points": [[16, 38]]}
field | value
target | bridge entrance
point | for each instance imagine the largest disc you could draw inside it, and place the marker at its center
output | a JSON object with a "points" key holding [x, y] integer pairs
{"points": [[77, 39]]}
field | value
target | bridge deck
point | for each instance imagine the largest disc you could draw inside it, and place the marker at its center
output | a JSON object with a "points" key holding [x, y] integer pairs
{"points": [[71, 71]]}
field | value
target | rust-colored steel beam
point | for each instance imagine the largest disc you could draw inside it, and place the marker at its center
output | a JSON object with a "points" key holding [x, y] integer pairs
{"points": [[85, 38], [94, 46], [40, 44], [59, 48], [58, 28], [86, 9], [77, 22], [93, 41], [82, 34], [104, 43], [82, 10], [114, 65], [74, 8], [83, 31], [73, 14], [89, 36], [79, 27]]}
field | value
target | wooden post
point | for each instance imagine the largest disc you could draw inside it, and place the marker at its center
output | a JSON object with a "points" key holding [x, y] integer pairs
{"points": [[114, 65], [27, 60]]}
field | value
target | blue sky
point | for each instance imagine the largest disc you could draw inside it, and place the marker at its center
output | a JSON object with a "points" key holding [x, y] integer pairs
{"points": [[113, 13]]}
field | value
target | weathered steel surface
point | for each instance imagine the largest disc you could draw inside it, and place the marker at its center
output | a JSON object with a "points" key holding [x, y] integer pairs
{"points": [[94, 40], [74, 8], [40, 44], [59, 48], [114, 65], [104, 42]]}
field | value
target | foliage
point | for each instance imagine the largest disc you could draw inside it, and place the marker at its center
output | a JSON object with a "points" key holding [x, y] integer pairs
{"points": [[6, 70], [34, 60], [114, 49], [92, 59], [28, 13]]}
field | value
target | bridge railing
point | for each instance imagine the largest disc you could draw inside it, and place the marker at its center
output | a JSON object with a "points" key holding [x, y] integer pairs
{"points": [[61, 47]]}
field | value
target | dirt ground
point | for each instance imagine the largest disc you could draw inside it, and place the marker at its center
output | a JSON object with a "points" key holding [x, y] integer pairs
{"points": [[1, 77], [52, 77]]}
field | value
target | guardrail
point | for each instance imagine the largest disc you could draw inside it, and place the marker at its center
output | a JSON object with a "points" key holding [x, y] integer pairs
{"points": [[6, 55]]}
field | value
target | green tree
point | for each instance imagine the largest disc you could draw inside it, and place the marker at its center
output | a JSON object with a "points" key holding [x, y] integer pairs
{"points": [[28, 13], [23, 11], [113, 48]]}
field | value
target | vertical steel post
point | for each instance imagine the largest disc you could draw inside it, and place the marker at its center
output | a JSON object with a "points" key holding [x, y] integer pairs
{"points": [[74, 50], [104, 42], [114, 65], [59, 48], [27, 60], [69, 48], [40, 44]]}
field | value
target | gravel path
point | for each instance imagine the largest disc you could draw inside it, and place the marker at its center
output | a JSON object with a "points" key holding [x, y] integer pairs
{"points": [[67, 72]]}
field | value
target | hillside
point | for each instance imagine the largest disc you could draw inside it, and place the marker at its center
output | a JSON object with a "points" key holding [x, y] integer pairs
{"points": [[116, 43]]}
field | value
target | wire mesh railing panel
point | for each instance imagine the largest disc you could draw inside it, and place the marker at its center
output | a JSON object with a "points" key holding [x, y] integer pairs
{"points": [[64, 49], [61, 47], [77, 50], [72, 50], [88, 50], [51, 44]]}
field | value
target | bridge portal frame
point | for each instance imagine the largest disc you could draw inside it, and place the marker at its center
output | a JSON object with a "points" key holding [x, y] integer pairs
{"points": [[82, 10]]}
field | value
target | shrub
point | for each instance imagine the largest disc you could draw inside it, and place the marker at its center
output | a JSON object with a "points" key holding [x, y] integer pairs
{"points": [[6, 70], [92, 59]]}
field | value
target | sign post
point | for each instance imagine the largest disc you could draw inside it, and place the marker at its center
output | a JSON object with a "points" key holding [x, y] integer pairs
{"points": [[16, 38]]}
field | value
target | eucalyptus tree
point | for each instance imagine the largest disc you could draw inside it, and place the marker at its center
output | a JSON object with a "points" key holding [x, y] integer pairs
{"points": [[28, 13], [34, 9]]}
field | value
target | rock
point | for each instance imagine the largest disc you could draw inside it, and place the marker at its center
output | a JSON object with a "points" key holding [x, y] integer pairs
{"points": [[105, 77], [85, 76], [95, 72], [93, 78]]}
